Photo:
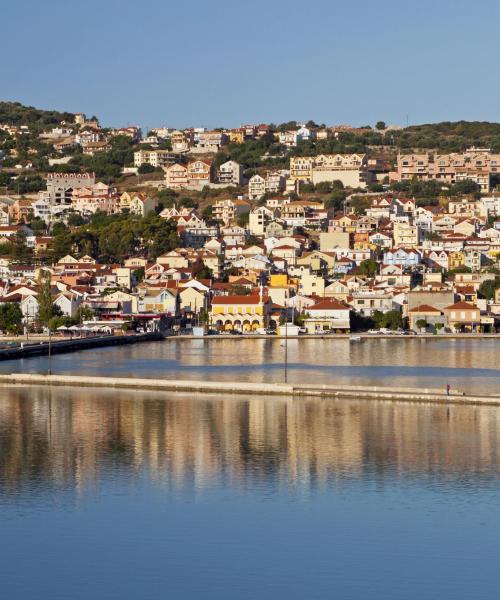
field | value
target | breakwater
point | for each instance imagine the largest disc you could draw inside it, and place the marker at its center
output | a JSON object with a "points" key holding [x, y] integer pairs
{"points": [[267, 389], [75, 344]]}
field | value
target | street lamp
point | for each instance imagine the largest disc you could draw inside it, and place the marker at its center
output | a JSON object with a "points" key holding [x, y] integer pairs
{"points": [[286, 339], [49, 368]]}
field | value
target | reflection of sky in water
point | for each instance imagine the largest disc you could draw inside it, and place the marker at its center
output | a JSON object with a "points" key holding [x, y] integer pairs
{"points": [[471, 365]]}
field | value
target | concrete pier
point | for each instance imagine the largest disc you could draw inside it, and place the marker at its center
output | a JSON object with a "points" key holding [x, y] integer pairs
{"points": [[75, 344], [254, 388]]}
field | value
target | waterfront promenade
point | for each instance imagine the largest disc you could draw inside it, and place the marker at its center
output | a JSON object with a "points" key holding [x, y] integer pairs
{"points": [[435, 395], [74, 345]]}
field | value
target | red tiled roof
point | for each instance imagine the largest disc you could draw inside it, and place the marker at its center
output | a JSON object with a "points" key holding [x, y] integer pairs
{"points": [[328, 304], [462, 305], [425, 308], [236, 300]]}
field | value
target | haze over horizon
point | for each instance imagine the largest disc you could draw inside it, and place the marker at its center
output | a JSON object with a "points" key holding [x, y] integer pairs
{"points": [[224, 65]]}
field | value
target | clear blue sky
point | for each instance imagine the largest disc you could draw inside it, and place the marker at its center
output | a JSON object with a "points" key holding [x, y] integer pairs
{"points": [[220, 62]]}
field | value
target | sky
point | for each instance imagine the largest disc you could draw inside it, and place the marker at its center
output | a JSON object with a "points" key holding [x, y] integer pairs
{"points": [[222, 63]]}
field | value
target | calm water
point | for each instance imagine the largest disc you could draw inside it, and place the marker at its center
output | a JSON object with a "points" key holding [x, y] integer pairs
{"points": [[471, 365], [119, 495]]}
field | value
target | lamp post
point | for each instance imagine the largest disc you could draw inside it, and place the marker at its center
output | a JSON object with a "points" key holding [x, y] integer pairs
{"points": [[49, 368], [286, 339]]}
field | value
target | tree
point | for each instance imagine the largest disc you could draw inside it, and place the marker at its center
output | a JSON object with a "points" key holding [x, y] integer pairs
{"points": [[421, 324], [390, 320], [465, 186], [336, 199], [204, 273], [38, 225], [488, 287], [75, 220], [11, 317], [84, 313], [146, 168], [46, 308], [368, 267], [243, 219], [380, 125]]}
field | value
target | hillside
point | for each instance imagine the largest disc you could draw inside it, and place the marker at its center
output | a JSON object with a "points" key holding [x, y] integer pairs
{"points": [[450, 136], [15, 113]]}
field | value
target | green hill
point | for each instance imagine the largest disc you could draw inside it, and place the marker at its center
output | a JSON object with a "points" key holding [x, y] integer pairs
{"points": [[15, 113], [450, 136]]}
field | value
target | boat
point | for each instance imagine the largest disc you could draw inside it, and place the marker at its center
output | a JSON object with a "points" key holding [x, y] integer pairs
{"points": [[355, 338]]}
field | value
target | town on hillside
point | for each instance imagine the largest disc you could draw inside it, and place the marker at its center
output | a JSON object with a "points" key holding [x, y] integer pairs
{"points": [[297, 228]]}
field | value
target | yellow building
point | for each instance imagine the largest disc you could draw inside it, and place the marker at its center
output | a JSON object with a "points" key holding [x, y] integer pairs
{"points": [[240, 313], [456, 259], [237, 136]]}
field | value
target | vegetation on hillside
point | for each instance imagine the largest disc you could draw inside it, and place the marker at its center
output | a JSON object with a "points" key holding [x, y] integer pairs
{"points": [[15, 113]]}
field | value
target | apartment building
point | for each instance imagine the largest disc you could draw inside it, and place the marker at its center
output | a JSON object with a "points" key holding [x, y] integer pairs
{"points": [[155, 158], [259, 219], [350, 169], [211, 141], [60, 186], [199, 173], [256, 187], [181, 141], [228, 210], [230, 173], [176, 176], [476, 164]]}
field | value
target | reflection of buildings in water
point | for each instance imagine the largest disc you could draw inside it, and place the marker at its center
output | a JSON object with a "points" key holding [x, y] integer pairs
{"points": [[73, 438]]}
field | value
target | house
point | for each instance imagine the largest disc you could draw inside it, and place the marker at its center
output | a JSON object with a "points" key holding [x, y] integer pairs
{"points": [[258, 220], [159, 301], [256, 187], [230, 173], [328, 315], [311, 284], [193, 298], [199, 173], [29, 307], [128, 302], [233, 235], [21, 210], [68, 302], [367, 302], [402, 256], [141, 204], [176, 176], [393, 275], [437, 259], [431, 315], [229, 210], [405, 235], [463, 316], [382, 207], [381, 240]]}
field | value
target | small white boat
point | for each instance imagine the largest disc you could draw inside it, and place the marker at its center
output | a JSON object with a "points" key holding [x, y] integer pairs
{"points": [[355, 338]]}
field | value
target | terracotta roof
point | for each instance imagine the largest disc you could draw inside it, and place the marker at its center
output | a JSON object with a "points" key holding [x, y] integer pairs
{"points": [[462, 305], [328, 304], [425, 308], [236, 300]]}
